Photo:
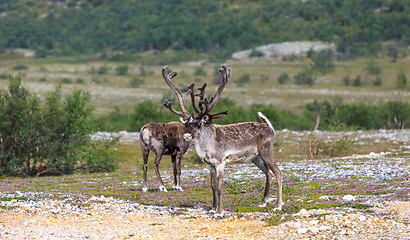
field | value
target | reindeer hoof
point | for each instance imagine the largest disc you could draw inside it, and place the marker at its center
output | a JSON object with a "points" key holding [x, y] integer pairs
{"points": [[145, 189], [219, 216], [177, 188], [163, 189], [277, 209]]}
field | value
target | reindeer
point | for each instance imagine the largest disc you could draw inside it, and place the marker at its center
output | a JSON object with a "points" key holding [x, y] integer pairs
{"points": [[163, 139], [218, 145]]}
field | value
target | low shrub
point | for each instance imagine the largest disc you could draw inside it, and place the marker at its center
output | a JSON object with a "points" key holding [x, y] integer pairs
{"points": [[46, 139], [121, 70], [327, 146]]}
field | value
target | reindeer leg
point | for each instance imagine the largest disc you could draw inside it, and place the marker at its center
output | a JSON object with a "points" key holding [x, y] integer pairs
{"points": [[219, 182], [262, 166], [145, 153], [279, 179], [213, 186], [266, 154], [176, 166], [158, 157]]}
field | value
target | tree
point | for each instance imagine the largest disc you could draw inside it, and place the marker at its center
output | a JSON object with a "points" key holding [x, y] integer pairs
{"points": [[323, 61], [401, 81]]}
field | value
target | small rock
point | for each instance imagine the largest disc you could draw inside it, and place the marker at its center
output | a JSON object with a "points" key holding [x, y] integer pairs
{"points": [[324, 198], [55, 210], [302, 230], [302, 212], [349, 198], [322, 228], [362, 218]]}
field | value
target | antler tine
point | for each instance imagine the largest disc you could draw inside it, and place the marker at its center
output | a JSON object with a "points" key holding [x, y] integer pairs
{"points": [[201, 95], [226, 74], [180, 97], [204, 111], [168, 104], [219, 115], [193, 97]]}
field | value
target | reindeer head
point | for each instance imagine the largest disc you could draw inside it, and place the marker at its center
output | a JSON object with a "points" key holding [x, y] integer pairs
{"points": [[202, 115]]}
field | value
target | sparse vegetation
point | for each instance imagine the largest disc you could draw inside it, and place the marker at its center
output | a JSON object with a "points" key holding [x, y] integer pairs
{"points": [[136, 82], [283, 78], [245, 78], [121, 70], [200, 71]]}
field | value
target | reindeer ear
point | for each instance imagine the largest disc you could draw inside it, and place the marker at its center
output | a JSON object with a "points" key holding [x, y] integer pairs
{"points": [[183, 121]]}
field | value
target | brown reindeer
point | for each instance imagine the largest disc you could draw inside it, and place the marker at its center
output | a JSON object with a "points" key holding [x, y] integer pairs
{"points": [[218, 145], [163, 139]]}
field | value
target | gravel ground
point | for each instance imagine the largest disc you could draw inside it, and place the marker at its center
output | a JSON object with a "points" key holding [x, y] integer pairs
{"points": [[107, 218]]}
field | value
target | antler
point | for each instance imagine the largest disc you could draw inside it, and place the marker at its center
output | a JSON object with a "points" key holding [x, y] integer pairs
{"points": [[180, 97], [226, 74], [201, 96]]}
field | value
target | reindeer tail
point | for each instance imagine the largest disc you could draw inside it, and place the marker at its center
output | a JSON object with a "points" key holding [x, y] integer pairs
{"points": [[144, 138], [266, 120]]}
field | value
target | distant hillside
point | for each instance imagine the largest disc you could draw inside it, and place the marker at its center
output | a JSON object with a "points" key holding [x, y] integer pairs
{"points": [[71, 27]]}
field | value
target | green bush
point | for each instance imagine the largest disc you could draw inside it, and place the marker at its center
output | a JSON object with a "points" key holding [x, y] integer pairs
{"points": [[337, 145], [4, 76], [305, 78], [121, 70], [103, 69], [256, 53], [357, 81], [80, 80], [264, 78], [245, 78], [322, 61], [377, 81], [401, 81], [20, 67], [283, 78], [389, 115], [346, 80], [397, 114], [373, 68], [114, 121], [136, 82], [43, 139], [66, 80]]}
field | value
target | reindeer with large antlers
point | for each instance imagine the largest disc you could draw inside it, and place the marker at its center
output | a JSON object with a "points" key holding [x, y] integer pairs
{"points": [[218, 145]]}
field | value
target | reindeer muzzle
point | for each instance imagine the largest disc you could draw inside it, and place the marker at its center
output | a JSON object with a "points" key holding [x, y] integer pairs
{"points": [[187, 137]]}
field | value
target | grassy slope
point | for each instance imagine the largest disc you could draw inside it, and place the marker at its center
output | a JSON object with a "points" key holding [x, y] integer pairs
{"points": [[115, 90]]}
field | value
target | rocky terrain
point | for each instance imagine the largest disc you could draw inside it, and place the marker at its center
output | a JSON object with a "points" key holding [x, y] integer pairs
{"points": [[108, 218], [54, 215], [286, 48]]}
